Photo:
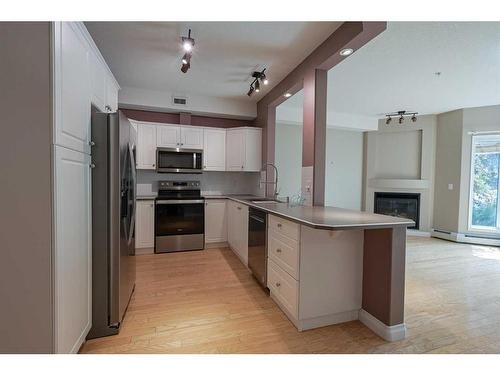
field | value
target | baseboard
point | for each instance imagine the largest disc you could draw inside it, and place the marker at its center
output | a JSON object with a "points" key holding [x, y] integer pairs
{"points": [[212, 245], [465, 238], [388, 333], [417, 233], [144, 250], [328, 320]]}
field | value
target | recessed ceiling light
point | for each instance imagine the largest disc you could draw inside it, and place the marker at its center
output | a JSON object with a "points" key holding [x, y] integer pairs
{"points": [[287, 95], [346, 51]]}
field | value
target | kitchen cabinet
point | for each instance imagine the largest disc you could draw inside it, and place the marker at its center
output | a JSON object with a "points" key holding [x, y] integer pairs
{"points": [[111, 95], [97, 82], [237, 230], [243, 149], [168, 136], [73, 250], [215, 221], [172, 136], [191, 137], [71, 87], [144, 224], [214, 150], [146, 146]]}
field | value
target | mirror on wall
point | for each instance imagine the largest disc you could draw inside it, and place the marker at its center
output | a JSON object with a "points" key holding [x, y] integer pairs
{"points": [[288, 145]]}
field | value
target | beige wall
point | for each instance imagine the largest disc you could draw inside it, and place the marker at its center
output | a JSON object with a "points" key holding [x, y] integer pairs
{"points": [[401, 158], [25, 192], [448, 169], [453, 164]]}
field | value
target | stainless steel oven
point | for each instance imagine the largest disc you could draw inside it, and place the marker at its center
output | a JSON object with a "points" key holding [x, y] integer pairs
{"points": [[179, 217], [179, 160]]}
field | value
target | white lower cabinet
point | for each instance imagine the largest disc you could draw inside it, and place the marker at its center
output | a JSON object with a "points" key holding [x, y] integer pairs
{"points": [[144, 224], [237, 229], [284, 287], [215, 220], [73, 249]]}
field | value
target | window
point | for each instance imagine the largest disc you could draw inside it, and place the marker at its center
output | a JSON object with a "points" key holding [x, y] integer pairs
{"points": [[485, 183]]}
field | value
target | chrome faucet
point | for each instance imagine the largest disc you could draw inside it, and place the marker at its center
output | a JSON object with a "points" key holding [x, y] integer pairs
{"points": [[275, 182]]}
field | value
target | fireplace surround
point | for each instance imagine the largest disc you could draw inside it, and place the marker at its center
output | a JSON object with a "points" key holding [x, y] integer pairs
{"points": [[405, 205]]}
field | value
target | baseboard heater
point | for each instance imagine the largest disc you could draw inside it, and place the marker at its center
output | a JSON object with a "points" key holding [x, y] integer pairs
{"points": [[466, 237]]}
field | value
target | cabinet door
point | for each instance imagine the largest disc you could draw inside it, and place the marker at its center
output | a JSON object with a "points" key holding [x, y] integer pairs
{"points": [[168, 136], [192, 137], [235, 150], [232, 235], [146, 146], [242, 225], [214, 150], [253, 150], [71, 88], [215, 220], [73, 250], [111, 95], [98, 82], [144, 224]]}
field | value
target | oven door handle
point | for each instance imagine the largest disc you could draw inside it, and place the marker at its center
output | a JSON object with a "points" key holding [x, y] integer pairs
{"points": [[180, 201]]}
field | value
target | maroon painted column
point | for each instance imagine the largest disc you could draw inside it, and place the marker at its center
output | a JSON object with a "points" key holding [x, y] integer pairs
{"points": [[314, 130], [384, 274]]}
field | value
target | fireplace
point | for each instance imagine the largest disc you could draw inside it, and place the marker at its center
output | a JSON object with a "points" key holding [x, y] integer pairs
{"points": [[405, 205]]}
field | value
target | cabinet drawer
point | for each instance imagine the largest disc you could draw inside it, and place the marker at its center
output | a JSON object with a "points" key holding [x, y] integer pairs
{"points": [[284, 287], [284, 227], [285, 252]]}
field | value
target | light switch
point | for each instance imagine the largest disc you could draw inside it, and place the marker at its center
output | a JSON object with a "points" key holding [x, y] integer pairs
{"points": [[450, 186]]}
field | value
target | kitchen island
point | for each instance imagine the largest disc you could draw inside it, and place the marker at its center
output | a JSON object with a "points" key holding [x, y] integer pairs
{"points": [[328, 265]]}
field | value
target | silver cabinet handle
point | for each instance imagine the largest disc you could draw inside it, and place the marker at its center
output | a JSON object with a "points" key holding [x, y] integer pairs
{"points": [[241, 167], [278, 250], [279, 225], [239, 208], [278, 285], [92, 165], [151, 205], [91, 143]]}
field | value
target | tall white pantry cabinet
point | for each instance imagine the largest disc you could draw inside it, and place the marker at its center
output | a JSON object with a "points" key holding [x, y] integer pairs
{"points": [[78, 78]]}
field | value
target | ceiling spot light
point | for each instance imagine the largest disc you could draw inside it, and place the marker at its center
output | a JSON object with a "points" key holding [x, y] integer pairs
{"points": [[257, 86], [287, 95], [188, 42], [258, 78], [401, 116], [185, 67], [186, 59], [346, 51]]}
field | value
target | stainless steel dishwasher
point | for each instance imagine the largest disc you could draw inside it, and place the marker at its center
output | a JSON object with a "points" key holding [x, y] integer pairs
{"points": [[257, 244]]}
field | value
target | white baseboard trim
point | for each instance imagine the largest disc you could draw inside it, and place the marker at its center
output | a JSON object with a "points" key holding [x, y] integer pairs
{"points": [[417, 233], [212, 245], [327, 320], [388, 333], [144, 250], [463, 238]]}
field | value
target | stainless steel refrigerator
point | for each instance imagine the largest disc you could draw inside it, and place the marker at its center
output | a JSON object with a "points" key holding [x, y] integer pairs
{"points": [[113, 219]]}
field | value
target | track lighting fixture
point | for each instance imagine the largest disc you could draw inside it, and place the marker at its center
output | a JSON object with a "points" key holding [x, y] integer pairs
{"points": [[401, 116], [258, 77], [287, 95], [187, 45]]}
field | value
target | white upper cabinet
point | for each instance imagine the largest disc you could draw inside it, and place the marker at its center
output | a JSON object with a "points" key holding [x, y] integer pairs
{"points": [[146, 146], [214, 150], [168, 136], [192, 137], [244, 149], [72, 89], [98, 82]]}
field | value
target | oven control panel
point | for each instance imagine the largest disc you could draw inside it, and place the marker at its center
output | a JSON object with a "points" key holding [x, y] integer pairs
{"points": [[177, 185]]}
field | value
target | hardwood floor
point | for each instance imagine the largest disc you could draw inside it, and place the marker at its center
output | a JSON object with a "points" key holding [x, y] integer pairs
{"points": [[207, 302]]}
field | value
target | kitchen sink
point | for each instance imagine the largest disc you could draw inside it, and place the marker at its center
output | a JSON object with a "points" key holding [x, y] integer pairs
{"points": [[266, 201]]}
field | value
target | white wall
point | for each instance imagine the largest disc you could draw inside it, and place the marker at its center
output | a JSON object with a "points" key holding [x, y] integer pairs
{"points": [[136, 98], [344, 169], [288, 158]]}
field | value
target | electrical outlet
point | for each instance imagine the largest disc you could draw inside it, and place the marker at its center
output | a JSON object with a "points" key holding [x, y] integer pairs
{"points": [[450, 186]]}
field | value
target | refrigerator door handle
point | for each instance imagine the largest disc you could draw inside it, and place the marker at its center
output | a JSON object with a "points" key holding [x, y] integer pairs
{"points": [[134, 184]]}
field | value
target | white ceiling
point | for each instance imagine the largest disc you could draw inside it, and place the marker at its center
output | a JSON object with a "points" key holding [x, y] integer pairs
{"points": [[395, 71], [147, 55]]}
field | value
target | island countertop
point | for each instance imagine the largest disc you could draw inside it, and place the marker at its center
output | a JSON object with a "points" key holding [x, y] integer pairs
{"points": [[320, 217]]}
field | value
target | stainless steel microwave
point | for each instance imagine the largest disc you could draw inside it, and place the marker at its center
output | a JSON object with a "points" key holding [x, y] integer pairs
{"points": [[179, 160]]}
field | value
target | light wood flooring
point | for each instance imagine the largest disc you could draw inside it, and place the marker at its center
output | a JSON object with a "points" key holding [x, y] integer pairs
{"points": [[207, 302]]}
